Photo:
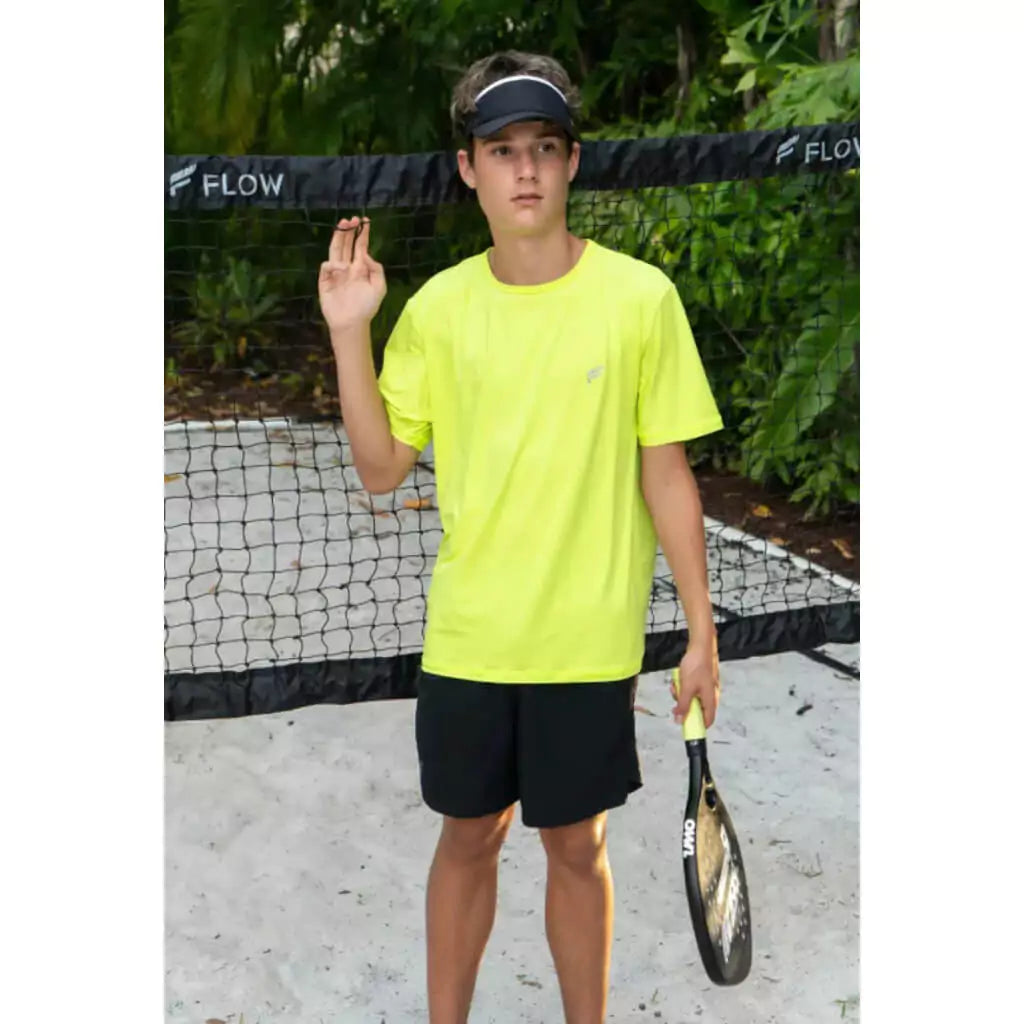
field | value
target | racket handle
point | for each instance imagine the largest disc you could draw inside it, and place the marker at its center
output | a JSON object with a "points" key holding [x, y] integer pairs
{"points": [[693, 724]]}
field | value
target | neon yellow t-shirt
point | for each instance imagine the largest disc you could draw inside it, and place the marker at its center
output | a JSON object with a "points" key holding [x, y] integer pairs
{"points": [[537, 398]]}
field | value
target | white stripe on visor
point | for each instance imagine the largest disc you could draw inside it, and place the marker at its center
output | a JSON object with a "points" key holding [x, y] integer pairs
{"points": [[519, 78]]}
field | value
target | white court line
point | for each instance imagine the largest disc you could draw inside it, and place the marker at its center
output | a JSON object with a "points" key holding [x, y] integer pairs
{"points": [[730, 533], [182, 426]]}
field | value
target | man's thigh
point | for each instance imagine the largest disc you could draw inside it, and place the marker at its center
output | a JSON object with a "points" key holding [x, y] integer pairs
{"points": [[465, 738], [577, 751]]}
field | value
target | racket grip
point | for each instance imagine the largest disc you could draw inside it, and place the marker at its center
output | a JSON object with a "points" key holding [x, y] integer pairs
{"points": [[693, 724]]}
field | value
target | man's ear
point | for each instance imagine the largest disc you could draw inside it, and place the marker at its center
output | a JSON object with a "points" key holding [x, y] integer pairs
{"points": [[574, 160], [466, 171]]}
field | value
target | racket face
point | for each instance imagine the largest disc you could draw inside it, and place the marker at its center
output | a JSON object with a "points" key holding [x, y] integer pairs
{"points": [[716, 884]]}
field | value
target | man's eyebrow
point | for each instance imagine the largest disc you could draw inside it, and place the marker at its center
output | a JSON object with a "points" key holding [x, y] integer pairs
{"points": [[502, 137]]}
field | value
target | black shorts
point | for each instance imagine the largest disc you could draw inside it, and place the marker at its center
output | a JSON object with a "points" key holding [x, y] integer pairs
{"points": [[565, 751]]}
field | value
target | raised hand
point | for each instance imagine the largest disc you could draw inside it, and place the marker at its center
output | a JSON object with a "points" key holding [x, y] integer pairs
{"points": [[351, 283]]}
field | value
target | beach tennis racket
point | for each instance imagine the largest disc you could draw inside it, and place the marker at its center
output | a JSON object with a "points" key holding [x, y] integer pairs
{"points": [[716, 884]]}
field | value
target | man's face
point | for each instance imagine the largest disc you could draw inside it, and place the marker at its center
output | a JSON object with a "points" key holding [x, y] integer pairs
{"points": [[521, 176]]}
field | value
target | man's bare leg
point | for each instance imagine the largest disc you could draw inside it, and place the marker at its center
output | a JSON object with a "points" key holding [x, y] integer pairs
{"points": [[462, 892], [579, 914]]}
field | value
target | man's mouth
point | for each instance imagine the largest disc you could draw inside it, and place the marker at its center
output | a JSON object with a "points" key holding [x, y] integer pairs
{"points": [[526, 197]]}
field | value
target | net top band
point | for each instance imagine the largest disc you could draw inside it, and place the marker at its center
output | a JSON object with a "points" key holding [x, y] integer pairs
{"points": [[520, 98]]}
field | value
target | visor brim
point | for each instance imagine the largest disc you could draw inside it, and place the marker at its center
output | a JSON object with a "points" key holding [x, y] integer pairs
{"points": [[495, 124]]}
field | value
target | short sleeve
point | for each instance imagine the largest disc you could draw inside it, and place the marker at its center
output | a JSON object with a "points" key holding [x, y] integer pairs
{"points": [[674, 400], [403, 384]]}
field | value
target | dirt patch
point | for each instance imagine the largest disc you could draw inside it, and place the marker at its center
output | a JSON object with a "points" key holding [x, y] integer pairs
{"points": [[831, 541]]}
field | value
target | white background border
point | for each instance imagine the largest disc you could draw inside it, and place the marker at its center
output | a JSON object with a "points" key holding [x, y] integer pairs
{"points": [[82, 511]]}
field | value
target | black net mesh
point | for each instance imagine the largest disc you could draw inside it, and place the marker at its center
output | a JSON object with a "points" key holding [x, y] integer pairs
{"points": [[288, 584]]}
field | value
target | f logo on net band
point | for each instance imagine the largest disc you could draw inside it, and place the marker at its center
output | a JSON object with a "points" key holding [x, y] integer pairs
{"points": [[228, 184], [822, 151], [786, 148], [181, 179]]}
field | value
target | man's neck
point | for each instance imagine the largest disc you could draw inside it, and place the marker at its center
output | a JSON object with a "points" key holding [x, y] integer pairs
{"points": [[526, 261]]}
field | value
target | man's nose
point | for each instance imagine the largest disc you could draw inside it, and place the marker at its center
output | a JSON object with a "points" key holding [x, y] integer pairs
{"points": [[526, 166]]}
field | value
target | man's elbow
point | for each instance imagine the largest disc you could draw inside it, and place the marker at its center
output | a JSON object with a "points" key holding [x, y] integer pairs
{"points": [[376, 479], [377, 482], [383, 479]]}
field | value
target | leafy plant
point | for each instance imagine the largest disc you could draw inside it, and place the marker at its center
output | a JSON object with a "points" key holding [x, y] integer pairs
{"points": [[816, 366], [232, 310], [171, 375], [776, 51], [815, 94]]}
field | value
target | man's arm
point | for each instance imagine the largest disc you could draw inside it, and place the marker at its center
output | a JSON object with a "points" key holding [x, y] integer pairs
{"points": [[351, 288], [670, 492], [382, 461]]}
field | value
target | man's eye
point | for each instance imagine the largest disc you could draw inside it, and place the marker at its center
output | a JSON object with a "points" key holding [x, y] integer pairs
{"points": [[500, 150]]}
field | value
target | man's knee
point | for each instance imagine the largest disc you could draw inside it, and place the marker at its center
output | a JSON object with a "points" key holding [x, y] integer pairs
{"points": [[475, 839], [580, 848]]}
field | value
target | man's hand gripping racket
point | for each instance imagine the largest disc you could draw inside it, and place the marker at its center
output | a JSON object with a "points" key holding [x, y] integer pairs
{"points": [[716, 884]]}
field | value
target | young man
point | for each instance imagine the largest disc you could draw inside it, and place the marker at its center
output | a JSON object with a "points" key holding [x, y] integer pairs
{"points": [[558, 380]]}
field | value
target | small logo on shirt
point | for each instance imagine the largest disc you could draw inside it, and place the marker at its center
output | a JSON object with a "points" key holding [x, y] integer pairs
{"points": [[594, 373]]}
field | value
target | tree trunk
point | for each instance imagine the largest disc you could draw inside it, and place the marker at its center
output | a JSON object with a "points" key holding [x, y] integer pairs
{"points": [[826, 31], [686, 60], [838, 29], [847, 21]]}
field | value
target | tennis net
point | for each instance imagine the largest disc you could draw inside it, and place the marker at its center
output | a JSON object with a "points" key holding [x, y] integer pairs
{"points": [[287, 584]]}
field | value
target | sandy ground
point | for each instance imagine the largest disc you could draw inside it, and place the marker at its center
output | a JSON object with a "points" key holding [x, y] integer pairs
{"points": [[297, 847]]}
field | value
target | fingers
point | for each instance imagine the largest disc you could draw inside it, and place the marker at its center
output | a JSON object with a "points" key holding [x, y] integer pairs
{"points": [[344, 240], [684, 698], [376, 273], [680, 711], [328, 269], [709, 707], [362, 241], [336, 252], [373, 270], [704, 689], [709, 702]]}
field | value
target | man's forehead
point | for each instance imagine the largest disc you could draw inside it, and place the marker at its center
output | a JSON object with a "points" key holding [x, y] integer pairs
{"points": [[528, 129]]}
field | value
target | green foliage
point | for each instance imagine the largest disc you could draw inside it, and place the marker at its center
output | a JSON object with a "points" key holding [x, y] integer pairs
{"points": [[768, 273], [816, 369], [337, 76], [774, 51], [171, 375], [807, 386], [231, 315], [811, 94]]}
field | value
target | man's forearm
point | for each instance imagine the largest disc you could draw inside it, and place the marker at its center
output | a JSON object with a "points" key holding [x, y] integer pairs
{"points": [[362, 408], [674, 503]]}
